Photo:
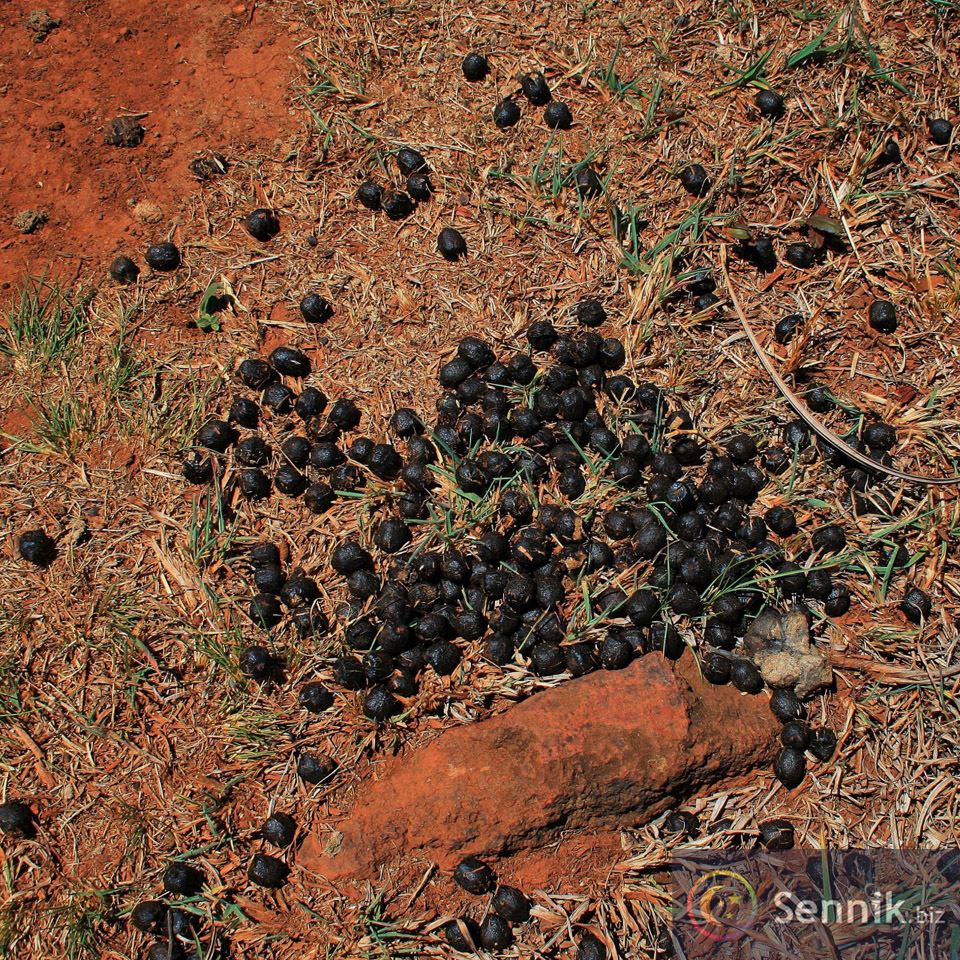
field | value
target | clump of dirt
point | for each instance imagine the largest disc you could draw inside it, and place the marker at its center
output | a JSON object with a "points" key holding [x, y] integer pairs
{"points": [[29, 221], [124, 132], [39, 24]]}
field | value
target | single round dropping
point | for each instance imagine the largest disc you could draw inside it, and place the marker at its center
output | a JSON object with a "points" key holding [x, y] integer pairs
{"points": [[883, 316], [262, 224], [124, 270], [315, 308], [557, 116], [411, 161], [589, 184], [37, 547], [279, 829], [256, 374], [16, 819], [315, 770], [801, 255], [149, 916], [380, 704], [462, 934], [419, 187], [495, 933], [776, 835], [770, 104], [536, 89], [163, 256], [474, 876], [786, 329], [182, 879], [916, 606], [790, 767], [267, 871], [290, 362], [370, 195], [475, 67], [451, 244], [511, 904], [506, 114], [694, 179], [591, 947], [397, 205], [941, 130]]}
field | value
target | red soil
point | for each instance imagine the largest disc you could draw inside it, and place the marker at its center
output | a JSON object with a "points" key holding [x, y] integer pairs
{"points": [[208, 75]]}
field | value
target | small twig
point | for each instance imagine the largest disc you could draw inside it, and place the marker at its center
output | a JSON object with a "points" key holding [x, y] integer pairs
{"points": [[818, 427]]}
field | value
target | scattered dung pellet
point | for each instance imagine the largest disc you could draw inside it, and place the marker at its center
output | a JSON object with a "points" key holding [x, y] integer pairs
{"points": [[681, 825], [511, 904], [451, 244], [506, 114], [462, 934], [397, 205], [535, 88], [916, 606], [257, 663], [124, 270], [411, 161], [124, 132], [776, 835], [941, 130], [182, 879], [163, 256], [314, 769], [475, 67], [557, 116], [822, 743], [16, 819], [770, 104], [149, 916], [591, 947], [790, 767], [315, 308], [495, 933], [801, 255], [370, 195], [37, 547], [883, 316], [474, 876], [589, 184], [262, 224], [695, 180], [267, 871], [209, 166], [279, 829]]}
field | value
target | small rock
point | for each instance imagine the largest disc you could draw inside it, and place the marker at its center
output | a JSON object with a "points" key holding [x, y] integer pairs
{"points": [[28, 221], [124, 132], [39, 23], [780, 647], [520, 780]]}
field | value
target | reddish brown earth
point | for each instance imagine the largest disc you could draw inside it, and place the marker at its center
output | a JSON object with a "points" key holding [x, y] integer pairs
{"points": [[206, 74], [604, 752]]}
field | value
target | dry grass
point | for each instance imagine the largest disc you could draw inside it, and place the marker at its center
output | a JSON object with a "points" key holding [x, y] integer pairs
{"points": [[123, 717]]}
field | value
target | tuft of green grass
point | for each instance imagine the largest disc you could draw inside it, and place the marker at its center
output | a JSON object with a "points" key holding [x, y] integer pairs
{"points": [[45, 324]]}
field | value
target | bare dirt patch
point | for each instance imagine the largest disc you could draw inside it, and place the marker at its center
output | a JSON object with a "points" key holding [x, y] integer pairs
{"points": [[196, 75]]}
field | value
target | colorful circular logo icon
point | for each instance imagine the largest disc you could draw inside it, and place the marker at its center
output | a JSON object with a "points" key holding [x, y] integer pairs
{"points": [[722, 905]]}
